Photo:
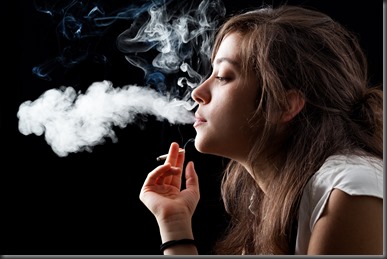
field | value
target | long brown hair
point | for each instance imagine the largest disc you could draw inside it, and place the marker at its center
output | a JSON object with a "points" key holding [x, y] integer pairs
{"points": [[291, 47]]}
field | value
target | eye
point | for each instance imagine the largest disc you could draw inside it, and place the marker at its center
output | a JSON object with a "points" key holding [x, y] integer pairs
{"points": [[221, 79]]}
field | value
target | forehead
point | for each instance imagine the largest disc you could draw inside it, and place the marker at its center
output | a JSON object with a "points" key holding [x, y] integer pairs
{"points": [[228, 50]]}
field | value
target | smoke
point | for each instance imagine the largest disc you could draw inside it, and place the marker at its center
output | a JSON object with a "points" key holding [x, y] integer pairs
{"points": [[182, 37], [73, 122], [171, 44]]}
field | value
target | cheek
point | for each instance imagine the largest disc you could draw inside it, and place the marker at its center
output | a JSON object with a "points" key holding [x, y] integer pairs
{"points": [[243, 109], [234, 121], [228, 128]]}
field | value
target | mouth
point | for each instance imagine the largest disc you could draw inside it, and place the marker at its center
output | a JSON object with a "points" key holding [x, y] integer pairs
{"points": [[198, 121]]}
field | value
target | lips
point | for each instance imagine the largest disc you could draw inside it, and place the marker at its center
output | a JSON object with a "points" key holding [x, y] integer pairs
{"points": [[198, 120]]}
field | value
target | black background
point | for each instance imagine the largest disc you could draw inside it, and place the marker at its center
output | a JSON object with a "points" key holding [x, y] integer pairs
{"points": [[87, 203]]}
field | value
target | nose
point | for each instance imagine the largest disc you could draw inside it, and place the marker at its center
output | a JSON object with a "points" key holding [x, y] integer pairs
{"points": [[201, 94]]}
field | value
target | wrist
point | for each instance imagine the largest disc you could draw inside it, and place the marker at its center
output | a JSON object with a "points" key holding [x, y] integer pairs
{"points": [[177, 242], [175, 229]]}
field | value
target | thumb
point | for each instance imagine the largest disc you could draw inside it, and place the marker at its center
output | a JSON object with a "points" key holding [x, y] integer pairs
{"points": [[192, 180]]}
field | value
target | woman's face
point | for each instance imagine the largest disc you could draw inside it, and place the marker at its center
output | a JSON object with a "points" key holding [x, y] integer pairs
{"points": [[226, 102]]}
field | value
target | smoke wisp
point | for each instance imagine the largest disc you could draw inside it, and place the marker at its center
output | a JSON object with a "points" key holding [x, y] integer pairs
{"points": [[170, 44]]}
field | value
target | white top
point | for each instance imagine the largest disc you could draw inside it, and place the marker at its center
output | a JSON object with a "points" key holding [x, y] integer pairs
{"points": [[352, 174]]}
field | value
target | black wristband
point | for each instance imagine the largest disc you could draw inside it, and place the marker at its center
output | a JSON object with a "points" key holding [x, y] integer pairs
{"points": [[176, 242]]}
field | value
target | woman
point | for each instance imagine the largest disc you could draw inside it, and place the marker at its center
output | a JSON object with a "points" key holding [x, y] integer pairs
{"points": [[288, 103]]}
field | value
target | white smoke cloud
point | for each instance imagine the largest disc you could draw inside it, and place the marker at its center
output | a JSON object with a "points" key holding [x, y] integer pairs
{"points": [[180, 36], [72, 122]]}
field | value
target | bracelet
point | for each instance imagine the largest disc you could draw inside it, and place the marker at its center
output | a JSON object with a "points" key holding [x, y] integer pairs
{"points": [[176, 242]]}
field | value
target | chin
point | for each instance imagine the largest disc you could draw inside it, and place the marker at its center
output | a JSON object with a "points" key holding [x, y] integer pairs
{"points": [[201, 144], [199, 147], [206, 146]]}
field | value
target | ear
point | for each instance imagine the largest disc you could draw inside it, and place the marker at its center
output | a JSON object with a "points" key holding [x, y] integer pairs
{"points": [[296, 102]]}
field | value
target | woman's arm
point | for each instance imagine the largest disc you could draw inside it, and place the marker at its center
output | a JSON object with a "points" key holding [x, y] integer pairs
{"points": [[349, 225], [173, 207]]}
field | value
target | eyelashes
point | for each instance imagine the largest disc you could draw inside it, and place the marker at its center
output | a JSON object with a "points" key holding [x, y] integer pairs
{"points": [[221, 79]]}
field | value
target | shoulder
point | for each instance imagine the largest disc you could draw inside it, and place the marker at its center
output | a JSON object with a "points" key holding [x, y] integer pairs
{"points": [[349, 225], [354, 175], [345, 199], [356, 178]]}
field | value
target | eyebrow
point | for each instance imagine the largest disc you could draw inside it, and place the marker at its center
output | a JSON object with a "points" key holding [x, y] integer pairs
{"points": [[229, 60]]}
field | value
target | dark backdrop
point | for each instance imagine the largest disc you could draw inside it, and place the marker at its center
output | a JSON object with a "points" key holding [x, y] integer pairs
{"points": [[87, 202]]}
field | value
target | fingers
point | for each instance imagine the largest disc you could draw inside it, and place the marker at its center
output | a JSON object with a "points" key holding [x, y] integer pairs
{"points": [[192, 180], [155, 173], [180, 159], [174, 157], [153, 177], [168, 177], [176, 160], [170, 172]]}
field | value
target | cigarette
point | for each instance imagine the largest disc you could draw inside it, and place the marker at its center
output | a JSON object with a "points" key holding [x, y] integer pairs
{"points": [[163, 157]]}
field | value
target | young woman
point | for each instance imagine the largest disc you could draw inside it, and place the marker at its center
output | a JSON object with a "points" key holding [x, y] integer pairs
{"points": [[288, 103]]}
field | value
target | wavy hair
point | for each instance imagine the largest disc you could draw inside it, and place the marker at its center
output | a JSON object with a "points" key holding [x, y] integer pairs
{"points": [[291, 47]]}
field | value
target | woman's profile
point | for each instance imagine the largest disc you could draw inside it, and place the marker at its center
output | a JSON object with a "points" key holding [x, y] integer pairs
{"points": [[289, 103]]}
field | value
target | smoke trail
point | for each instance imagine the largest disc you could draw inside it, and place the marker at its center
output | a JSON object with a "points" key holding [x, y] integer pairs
{"points": [[179, 38], [182, 36], [74, 122]]}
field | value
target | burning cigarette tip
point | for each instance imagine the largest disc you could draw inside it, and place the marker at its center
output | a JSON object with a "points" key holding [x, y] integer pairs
{"points": [[163, 157]]}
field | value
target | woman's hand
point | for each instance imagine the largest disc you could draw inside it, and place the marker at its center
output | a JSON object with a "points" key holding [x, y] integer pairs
{"points": [[162, 195]]}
